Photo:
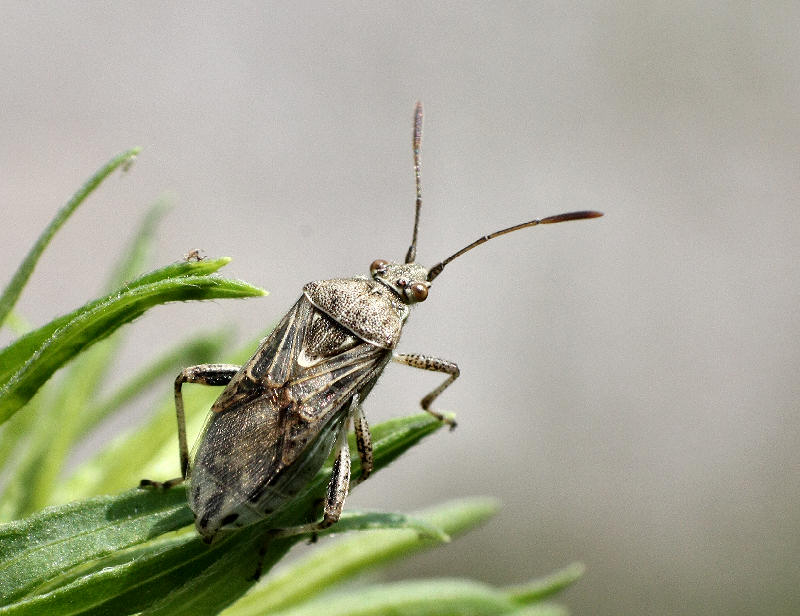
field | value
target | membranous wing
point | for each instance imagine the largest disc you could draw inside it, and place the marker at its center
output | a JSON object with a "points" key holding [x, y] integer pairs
{"points": [[275, 423]]}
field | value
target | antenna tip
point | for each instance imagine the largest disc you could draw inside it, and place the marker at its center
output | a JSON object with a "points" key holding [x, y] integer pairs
{"points": [[571, 216]]}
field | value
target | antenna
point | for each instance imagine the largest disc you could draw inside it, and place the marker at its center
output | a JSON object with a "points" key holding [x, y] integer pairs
{"points": [[437, 269], [411, 255]]}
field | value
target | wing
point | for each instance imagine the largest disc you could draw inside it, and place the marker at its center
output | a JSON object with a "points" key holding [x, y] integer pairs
{"points": [[278, 418], [270, 367]]}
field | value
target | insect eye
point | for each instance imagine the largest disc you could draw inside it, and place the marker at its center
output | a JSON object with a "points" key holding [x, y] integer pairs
{"points": [[378, 265], [419, 291]]}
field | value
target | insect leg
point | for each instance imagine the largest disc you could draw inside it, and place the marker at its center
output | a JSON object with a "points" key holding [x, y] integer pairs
{"points": [[337, 491], [426, 362], [339, 484], [363, 442], [204, 374]]}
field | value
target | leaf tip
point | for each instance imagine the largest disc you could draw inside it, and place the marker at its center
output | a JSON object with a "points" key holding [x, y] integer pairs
{"points": [[126, 159], [574, 570], [547, 586]]}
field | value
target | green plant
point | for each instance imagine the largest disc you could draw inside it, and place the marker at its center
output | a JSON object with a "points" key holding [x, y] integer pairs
{"points": [[66, 550]]}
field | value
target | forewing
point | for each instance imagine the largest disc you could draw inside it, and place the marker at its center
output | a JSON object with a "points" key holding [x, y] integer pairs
{"points": [[321, 390], [237, 450], [274, 362], [267, 440], [271, 366]]}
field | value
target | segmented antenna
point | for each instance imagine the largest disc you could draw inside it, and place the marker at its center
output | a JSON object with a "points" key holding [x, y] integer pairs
{"points": [[411, 255], [437, 269]]}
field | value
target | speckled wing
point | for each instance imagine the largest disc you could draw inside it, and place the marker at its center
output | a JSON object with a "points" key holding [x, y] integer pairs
{"points": [[272, 363], [277, 419]]}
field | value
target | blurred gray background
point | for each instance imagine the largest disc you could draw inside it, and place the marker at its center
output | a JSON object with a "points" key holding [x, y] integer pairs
{"points": [[629, 385]]}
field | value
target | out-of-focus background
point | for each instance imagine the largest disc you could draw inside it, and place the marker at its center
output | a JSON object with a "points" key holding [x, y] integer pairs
{"points": [[629, 385]]}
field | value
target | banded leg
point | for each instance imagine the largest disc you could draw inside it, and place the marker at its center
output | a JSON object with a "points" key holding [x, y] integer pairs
{"points": [[435, 364], [337, 491], [203, 374], [363, 442]]}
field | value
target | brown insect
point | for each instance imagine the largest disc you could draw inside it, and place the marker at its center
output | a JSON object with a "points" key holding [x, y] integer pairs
{"points": [[281, 413]]}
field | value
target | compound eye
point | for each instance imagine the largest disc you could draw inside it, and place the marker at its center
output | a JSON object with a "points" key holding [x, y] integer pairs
{"points": [[378, 266], [420, 291]]}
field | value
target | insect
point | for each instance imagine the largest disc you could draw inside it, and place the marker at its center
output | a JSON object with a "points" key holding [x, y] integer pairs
{"points": [[193, 255], [281, 414]]}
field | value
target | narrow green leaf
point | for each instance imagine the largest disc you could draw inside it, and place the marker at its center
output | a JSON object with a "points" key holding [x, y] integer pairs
{"points": [[14, 288], [541, 609], [180, 573], [37, 473], [441, 597], [26, 433], [120, 557], [347, 558], [376, 520], [183, 268], [36, 356], [39, 548], [141, 580], [232, 572], [546, 586], [14, 355]]}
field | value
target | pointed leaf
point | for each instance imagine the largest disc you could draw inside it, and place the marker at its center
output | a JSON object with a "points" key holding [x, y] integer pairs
{"points": [[441, 597], [36, 473], [210, 590], [546, 586], [347, 558], [30, 361], [14, 288], [42, 547]]}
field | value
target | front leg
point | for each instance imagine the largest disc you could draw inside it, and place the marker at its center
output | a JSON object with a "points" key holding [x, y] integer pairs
{"points": [[203, 374], [435, 364]]}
